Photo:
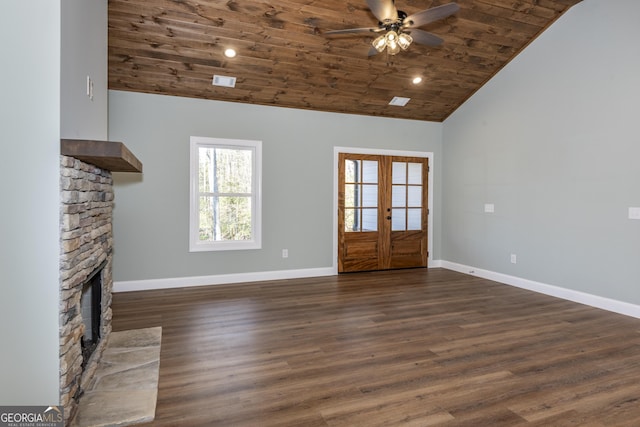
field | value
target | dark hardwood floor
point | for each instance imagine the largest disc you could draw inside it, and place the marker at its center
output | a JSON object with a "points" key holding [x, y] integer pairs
{"points": [[412, 347]]}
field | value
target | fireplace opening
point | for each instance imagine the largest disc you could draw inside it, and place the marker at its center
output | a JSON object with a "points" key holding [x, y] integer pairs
{"points": [[91, 309]]}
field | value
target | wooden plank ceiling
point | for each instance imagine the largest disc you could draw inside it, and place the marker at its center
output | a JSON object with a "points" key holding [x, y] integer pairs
{"points": [[174, 47]]}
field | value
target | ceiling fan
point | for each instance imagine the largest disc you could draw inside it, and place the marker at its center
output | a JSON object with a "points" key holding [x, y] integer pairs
{"points": [[399, 30]]}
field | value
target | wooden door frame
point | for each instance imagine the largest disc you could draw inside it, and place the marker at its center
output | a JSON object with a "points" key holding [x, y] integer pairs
{"points": [[381, 152]]}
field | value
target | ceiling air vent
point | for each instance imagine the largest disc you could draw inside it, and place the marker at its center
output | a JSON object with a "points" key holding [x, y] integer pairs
{"points": [[398, 101], [225, 81]]}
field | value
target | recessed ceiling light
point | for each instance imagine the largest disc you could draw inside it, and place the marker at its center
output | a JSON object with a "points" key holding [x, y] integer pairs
{"points": [[399, 101], [230, 53], [416, 80]]}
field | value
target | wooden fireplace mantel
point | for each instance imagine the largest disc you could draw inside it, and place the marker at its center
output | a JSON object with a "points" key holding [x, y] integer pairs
{"points": [[109, 155]]}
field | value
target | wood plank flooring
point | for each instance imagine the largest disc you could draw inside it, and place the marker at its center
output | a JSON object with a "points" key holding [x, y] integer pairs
{"points": [[412, 347]]}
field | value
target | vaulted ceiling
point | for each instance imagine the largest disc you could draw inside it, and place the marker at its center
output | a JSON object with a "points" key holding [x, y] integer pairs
{"points": [[284, 58]]}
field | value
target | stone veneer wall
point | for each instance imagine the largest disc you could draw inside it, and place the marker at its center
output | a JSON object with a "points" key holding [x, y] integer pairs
{"points": [[86, 242]]}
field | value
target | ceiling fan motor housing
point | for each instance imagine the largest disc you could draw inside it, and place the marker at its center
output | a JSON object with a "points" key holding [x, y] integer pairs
{"points": [[396, 25]]}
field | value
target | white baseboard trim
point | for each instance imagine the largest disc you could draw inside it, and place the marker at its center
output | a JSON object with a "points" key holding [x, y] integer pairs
{"points": [[608, 304], [435, 263], [223, 279], [220, 279]]}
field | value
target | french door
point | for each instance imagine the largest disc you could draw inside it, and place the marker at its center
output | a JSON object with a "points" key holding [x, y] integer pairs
{"points": [[382, 212]]}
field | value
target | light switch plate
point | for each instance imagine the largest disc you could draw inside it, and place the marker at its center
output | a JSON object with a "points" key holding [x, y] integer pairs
{"points": [[488, 207], [634, 213]]}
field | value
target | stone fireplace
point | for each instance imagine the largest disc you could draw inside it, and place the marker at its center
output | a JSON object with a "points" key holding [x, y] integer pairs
{"points": [[86, 254], [86, 248]]}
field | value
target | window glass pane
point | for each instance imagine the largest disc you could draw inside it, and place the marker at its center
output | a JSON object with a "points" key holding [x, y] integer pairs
{"points": [[205, 223], [351, 170], [351, 198], [234, 219], [233, 170], [399, 196], [370, 195], [350, 220], [414, 219], [415, 173], [225, 218], [205, 176], [370, 171], [415, 195], [369, 219], [399, 173], [398, 219]]}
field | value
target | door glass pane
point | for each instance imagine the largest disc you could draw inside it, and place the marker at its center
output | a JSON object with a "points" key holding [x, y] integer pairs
{"points": [[369, 220], [350, 220], [351, 170], [414, 219], [399, 173], [399, 196], [415, 173], [350, 196], [370, 195], [398, 218], [415, 196], [370, 171]]}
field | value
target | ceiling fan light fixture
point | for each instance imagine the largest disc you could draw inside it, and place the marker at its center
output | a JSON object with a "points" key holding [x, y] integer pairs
{"points": [[404, 40], [380, 43], [392, 41], [391, 38], [393, 49]]}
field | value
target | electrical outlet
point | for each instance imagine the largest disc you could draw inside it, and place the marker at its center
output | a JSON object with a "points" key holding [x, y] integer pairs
{"points": [[514, 259], [285, 253], [489, 208], [634, 213]]}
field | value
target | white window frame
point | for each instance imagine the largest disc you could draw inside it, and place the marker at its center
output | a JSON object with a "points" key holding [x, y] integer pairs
{"points": [[195, 245]]}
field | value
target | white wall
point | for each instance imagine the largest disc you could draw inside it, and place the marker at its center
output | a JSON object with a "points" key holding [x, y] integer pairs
{"points": [[151, 211], [553, 142], [29, 243], [84, 53]]}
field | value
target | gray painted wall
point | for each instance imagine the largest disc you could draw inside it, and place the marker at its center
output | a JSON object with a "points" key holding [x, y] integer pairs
{"points": [[151, 215], [84, 53], [29, 237], [553, 142]]}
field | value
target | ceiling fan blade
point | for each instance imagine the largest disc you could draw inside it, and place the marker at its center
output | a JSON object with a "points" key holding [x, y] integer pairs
{"points": [[354, 31], [384, 10], [424, 37], [372, 51], [425, 17]]}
